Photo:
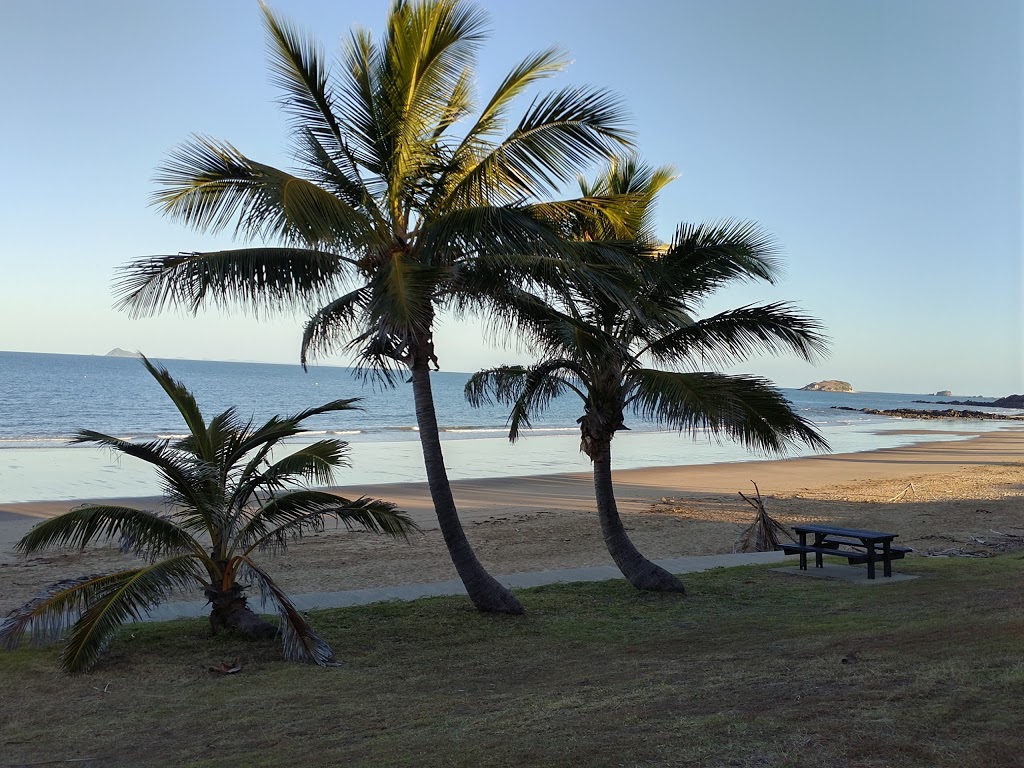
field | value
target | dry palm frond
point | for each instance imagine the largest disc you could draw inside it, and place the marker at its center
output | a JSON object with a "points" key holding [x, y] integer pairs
{"points": [[765, 532]]}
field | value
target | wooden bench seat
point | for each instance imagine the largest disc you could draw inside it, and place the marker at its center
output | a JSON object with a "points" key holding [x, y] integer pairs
{"points": [[832, 542], [832, 548]]}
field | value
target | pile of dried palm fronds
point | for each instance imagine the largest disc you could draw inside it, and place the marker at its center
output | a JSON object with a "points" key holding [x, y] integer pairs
{"points": [[765, 533]]}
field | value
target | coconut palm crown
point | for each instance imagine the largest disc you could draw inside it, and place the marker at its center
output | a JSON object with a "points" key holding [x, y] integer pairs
{"points": [[647, 357], [409, 199], [228, 501]]}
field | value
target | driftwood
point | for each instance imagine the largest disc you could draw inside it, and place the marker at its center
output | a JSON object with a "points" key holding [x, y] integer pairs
{"points": [[765, 533], [910, 487]]}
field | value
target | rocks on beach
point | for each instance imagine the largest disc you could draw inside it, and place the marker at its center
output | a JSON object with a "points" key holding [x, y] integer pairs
{"points": [[949, 413], [1010, 401]]}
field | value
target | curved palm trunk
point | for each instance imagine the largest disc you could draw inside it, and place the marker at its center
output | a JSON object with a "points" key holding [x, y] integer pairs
{"points": [[230, 610], [638, 570], [486, 592]]}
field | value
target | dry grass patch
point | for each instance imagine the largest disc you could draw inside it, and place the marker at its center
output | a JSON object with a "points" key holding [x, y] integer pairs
{"points": [[751, 669]]}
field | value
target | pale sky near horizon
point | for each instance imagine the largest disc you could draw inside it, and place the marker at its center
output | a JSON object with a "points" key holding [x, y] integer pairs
{"points": [[879, 141]]}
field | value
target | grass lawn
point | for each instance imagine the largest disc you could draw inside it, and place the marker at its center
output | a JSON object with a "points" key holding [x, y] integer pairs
{"points": [[752, 668]]}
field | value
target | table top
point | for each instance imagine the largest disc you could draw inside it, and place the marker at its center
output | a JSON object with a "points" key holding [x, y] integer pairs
{"points": [[855, 533]]}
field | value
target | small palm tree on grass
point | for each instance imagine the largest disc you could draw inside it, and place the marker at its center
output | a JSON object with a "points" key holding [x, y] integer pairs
{"points": [[230, 500], [610, 354]]}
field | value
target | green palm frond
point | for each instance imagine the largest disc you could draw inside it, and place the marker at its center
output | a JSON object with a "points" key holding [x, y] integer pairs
{"points": [[339, 319], [278, 428], [207, 184], [185, 404], [736, 335], [702, 257], [183, 478], [300, 642], [94, 606], [314, 463], [299, 68], [125, 598], [633, 187], [289, 515], [139, 531], [492, 119], [747, 409], [560, 133], [252, 279], [426, 55], [529, 390]]}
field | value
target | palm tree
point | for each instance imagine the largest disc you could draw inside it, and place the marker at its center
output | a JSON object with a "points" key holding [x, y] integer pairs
{"points": [[228, 502], [646, 356], [392, 217]]}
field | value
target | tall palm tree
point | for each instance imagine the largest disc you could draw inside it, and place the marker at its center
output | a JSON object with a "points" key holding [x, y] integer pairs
{"points": [[646, 356], [392, 216], [228, 502]]}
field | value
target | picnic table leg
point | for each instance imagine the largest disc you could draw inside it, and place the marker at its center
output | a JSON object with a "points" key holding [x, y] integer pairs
{"points": [[886, 558], [819, 538], [803, 555], [871, 559]]}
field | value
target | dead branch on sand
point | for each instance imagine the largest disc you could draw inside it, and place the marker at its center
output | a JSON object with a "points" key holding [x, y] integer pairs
{"points": [[765, 532]]}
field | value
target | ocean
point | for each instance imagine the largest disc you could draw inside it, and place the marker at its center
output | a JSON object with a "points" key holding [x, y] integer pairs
{"points": [[44, 398]]}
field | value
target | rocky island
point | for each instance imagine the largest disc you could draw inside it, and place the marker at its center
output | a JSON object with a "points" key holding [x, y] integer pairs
{"points": [[118, 352], [830, 385]]}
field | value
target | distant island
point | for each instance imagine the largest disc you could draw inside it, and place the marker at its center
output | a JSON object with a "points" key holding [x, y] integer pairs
{"points": [[118, 352], [831, 385], [944, 393]]}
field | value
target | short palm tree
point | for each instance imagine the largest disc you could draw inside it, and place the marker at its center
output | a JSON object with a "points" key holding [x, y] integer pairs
{"points": [[392, 216], [228, 502], [645, 356]]}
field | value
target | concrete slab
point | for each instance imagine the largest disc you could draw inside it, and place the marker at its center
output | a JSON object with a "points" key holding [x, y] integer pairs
{"points": [[849, 573]]}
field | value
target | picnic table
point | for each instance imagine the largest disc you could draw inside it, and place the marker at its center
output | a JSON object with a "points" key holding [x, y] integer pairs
{"points": [[855, 544]]}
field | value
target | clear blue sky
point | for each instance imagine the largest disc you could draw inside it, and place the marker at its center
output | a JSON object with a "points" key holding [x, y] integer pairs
{"points": [[879, 141]]}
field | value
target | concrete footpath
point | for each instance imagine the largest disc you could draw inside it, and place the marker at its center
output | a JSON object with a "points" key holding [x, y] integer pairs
{"points": [[312, 600]]}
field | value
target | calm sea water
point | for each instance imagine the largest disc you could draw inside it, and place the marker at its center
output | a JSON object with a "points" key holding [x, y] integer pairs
{"points": [[45, 398]]}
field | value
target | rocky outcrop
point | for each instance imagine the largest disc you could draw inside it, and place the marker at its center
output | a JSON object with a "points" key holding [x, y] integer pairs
{"points": [[1010, 401], [949, 413], [118, 352], [944, 393], [830, 385]]}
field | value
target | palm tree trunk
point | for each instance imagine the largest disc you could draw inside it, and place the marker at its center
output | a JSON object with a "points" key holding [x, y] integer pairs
{"points": [[638, 570], [230, 610], [486, 592]]}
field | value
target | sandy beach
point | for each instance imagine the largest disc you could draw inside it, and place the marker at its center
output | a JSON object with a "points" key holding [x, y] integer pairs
{"points": [[963, 497]]}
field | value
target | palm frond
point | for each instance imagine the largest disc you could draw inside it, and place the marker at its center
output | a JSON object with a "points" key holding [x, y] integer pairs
{"points": [[251, 279], [95, 606], [207, 184], [332, 325], [736, 335], [702, 257], [300, 642], [315, 463], [747, 409], [529, 390], [289, 515], [184, 476], [139, 531], [184, 402], [560, 133]]}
